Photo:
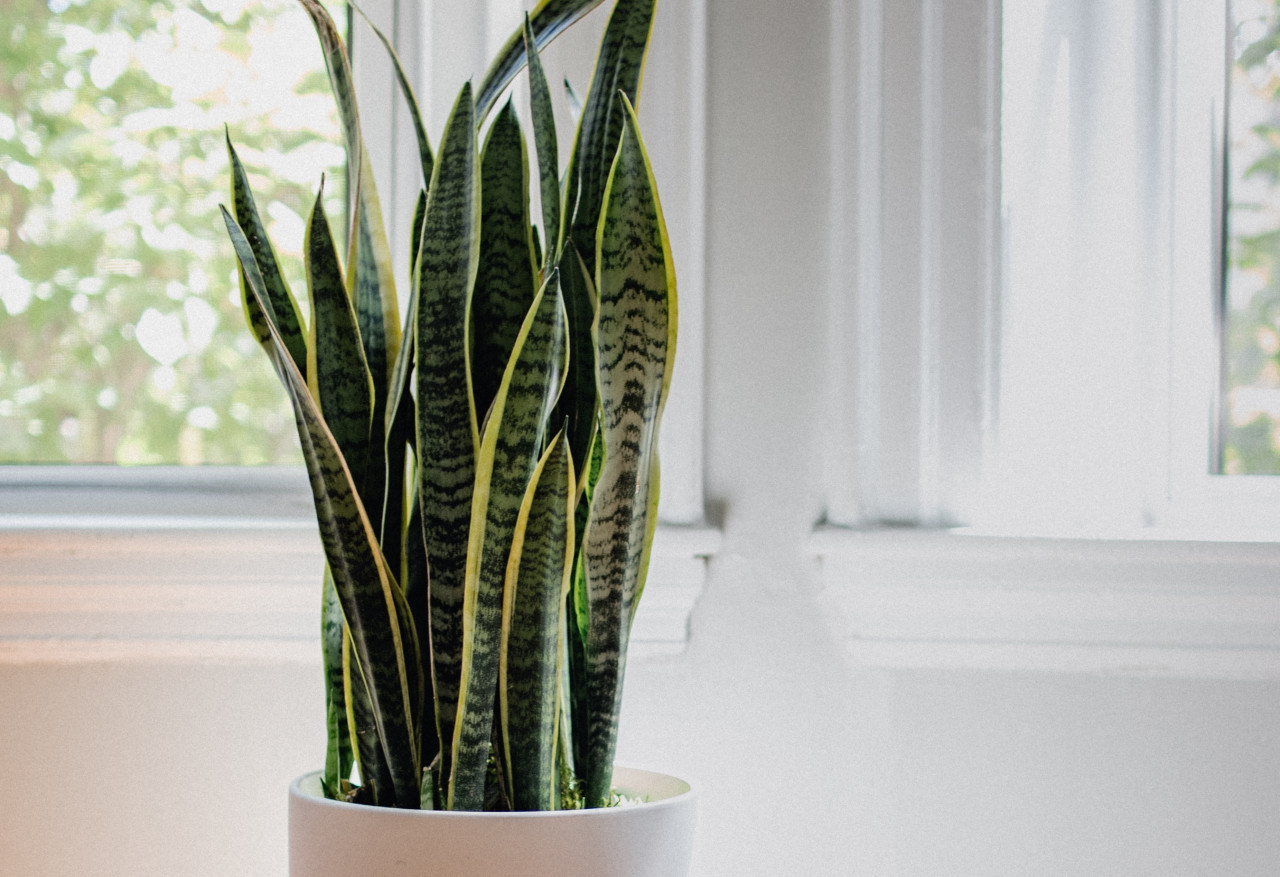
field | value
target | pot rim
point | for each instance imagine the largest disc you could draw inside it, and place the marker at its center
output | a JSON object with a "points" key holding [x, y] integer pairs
{"points": [[679, 799]]}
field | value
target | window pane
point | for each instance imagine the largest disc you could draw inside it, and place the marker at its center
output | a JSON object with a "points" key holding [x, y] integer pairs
{"points": [[122, 337], [1251, 392]]}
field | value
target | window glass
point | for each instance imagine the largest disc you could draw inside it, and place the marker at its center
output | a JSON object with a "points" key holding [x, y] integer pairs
{"points": [[1251, 327], [122, 337]]}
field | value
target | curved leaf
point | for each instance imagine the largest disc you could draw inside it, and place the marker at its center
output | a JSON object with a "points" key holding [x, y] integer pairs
{"points": [[337, 373], [636, 345], [279, 305], [425, 157], [549, 19], [544, 140], [371, 276], [619, 67]]}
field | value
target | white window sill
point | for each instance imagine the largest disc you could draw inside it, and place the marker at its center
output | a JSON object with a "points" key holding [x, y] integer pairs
{"points": [[211, 565], [1149, 605]]}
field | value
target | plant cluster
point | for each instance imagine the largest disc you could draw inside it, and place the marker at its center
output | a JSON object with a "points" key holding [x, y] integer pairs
{"points": [[485, 477]]}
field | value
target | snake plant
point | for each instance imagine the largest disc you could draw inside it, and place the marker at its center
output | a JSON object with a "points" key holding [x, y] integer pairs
{"points": [[485, 475]]}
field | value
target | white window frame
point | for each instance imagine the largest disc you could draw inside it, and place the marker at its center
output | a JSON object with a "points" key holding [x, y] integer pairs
{"points": [[223, 563], [1155, 567]]}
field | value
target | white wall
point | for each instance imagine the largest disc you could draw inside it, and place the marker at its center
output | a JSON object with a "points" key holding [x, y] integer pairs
{"points": [[814, 756]]}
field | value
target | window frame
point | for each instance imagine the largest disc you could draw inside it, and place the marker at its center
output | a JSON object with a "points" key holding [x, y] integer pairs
{"points": [[1180, 579]]}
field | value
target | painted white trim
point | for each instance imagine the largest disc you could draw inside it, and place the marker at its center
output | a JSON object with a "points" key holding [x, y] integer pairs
{"points": [[912, 275], [1147, 606], [217, 564]]}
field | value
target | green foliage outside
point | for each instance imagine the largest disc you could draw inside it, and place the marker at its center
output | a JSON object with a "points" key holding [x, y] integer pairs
{"points": [[122, 335], [1251, 415]]}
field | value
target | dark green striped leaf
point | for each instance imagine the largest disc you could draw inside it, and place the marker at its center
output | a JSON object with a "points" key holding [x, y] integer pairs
{"points": [[509, 452], [619, 67], [338, 756], [636, 345], [448, 435], [377, 786], [549, 19], [544, 140], [532, 629], [578, 404], [383, 641], [279, 305], [369, 263], [338, 376], [507, 275]]}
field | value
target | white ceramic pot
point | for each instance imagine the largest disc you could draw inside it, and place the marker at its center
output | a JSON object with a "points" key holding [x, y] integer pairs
{"points": [[653, 839]]}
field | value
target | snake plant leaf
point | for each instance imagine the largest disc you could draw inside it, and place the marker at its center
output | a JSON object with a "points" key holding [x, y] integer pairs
{"points": [[337, 373], [377, 786], [401, 416], [636, 346], [549, 19], [447, 434], [280, 306], [417, 596], [544, 141], [420, 131], [371, 275], [507, 272], [619, 67], [532, 630], [384, 644], [338, 757], [577, 403], [578, 614], [509, 453]]}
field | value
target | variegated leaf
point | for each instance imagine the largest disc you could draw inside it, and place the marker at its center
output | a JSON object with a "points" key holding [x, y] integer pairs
{"points": [[509, 452], [544, 141], [619, 67], [537, 583], [383, 640], [578, 404], [338, 755], [337, 373], [370, 271], [447, 433], [506, 276], [636, 345], [279, 305]]}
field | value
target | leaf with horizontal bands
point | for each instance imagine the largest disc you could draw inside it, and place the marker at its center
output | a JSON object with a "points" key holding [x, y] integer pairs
{"points": [[279, 305], [509, 452], [533, 630], [506, 276], [446, 421], [636, 345]]}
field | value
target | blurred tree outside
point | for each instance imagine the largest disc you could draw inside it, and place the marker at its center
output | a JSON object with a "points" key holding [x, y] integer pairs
{"points": [[1251, 380], [122, 336]]}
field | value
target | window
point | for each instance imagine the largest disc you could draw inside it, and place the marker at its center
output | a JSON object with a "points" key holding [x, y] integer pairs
{"points": [[123, 339], [1250, 408], [1025, 263]]}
